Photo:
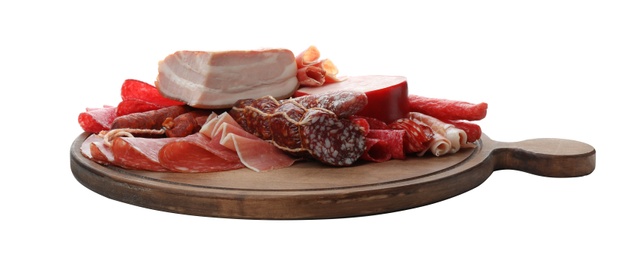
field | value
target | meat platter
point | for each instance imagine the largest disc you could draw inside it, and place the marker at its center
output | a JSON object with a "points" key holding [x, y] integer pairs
{"points": [[309, 190]]}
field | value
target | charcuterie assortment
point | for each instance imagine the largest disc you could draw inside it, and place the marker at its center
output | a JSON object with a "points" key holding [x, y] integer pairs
{"points": [[269, 109]]}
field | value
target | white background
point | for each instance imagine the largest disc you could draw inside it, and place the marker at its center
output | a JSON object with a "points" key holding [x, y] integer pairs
{"points": [[554, 68]]}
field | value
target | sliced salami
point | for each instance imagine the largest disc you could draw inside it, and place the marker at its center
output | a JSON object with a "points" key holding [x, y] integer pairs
{"points": [[343, 103], [416, 136], [95, 120], [394, 139], [377, 150], [126, 107], [139, 153]]}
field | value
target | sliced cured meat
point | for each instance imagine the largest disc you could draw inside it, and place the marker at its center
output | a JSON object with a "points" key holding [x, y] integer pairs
{"points": [[131, 106], [447, 139], [377, 150], [387, 95], [343, 103], [417, 136], [101, 153], [133, 89], [214, 126], [311, 76], [394, 139], [384, 144], [198, 153], [257, 154], [185, 124], [253, 152], [374, 123], [307, 57], [153, 119], [313, 71], [139, 153], [473, 131], [445, 109], [219, 79], [95, 120]]}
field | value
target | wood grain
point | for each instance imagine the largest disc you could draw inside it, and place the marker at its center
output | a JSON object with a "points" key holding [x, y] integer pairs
{"points": [[310, 190]]}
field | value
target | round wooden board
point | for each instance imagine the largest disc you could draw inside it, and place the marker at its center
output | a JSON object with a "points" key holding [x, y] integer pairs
{"points": [[309, 190]]}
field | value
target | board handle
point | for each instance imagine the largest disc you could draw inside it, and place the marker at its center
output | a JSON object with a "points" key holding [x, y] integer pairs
{"points": [[548, 157]]}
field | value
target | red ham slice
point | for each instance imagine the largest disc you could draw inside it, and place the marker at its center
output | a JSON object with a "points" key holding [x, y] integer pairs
{"points": [[394, 139], [254, 153], [257, 154], [93, 148], [95, 120], [101, 153], [139, 153], [313, 72], [311, 76], [387, 95], [377, 150], [198, 153], [85, 148]]}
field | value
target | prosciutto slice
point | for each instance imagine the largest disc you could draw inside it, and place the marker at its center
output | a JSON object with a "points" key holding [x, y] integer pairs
{"points": [[314, 72], [93, 148], [447, 138], [253, 152], [384, 144], [198, 153], [139, 153], [94, 120]]}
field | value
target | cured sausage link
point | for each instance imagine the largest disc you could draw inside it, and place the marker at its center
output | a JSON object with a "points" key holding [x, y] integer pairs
{"points": [[307, 127], [152, 119], [343, 103], [186, 123]]}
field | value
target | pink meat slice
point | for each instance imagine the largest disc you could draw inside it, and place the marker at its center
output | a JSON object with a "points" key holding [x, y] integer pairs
{"points": [[198, 153], [384, 144], [93, 148], [139, 153], [218, 79], [255, 153], [95, 120]]}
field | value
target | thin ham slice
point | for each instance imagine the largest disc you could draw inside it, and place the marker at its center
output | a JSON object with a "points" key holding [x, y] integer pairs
{"points": [[384, 144], [447, 139], [198, 153], [257, 154], [377, 150], [102, 153], [139, 153], [314, 72], [254, 153], [94, 120], [93, 148]]}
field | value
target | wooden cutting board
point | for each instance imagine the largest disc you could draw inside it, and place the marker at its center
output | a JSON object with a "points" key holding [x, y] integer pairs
{"points": [[309, 190]]}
